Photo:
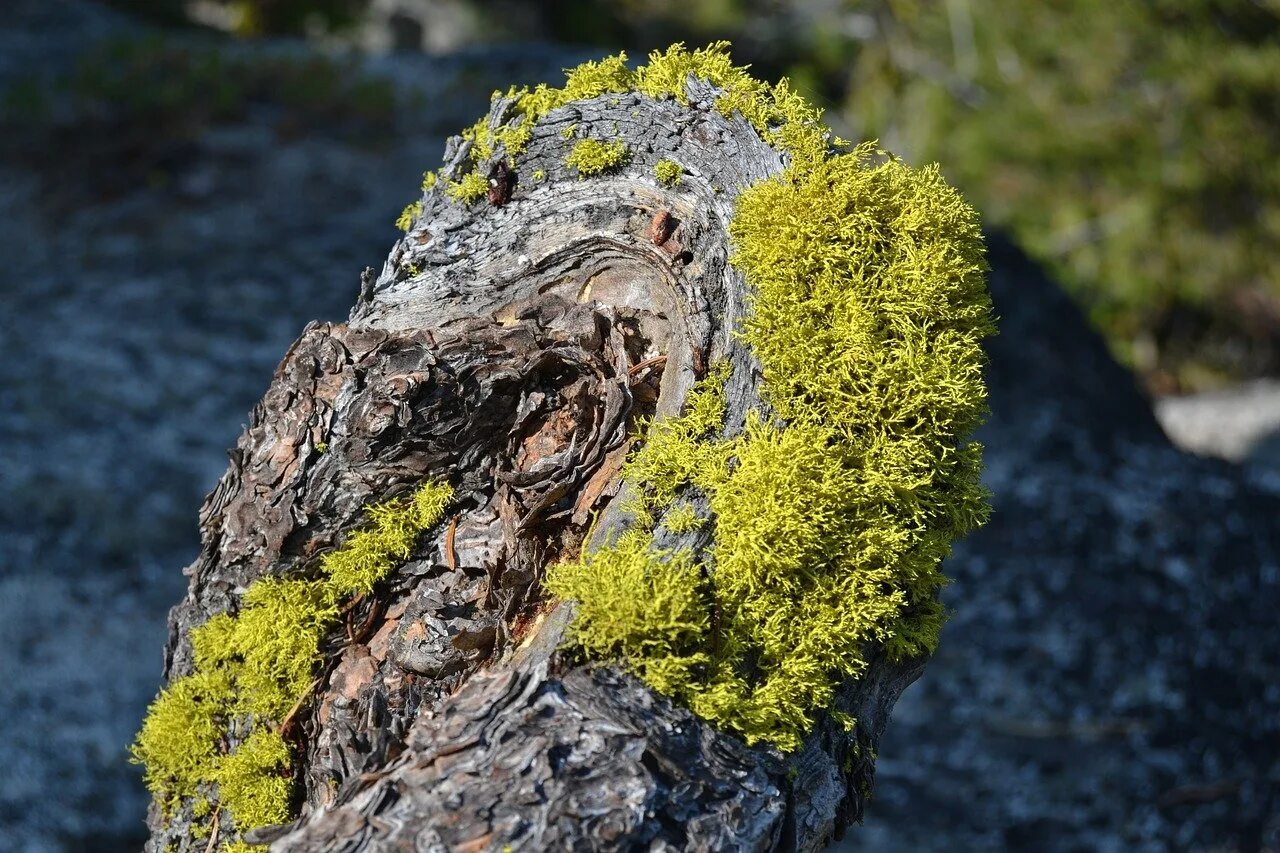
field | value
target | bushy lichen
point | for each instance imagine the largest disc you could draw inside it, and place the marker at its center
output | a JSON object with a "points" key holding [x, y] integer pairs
{"points": [[867, 308], [254, 783], [411, 211], [641, 603], [682, 518], [668, 172], [368, 555], [471, 187], [592, 157], [252, 669]]}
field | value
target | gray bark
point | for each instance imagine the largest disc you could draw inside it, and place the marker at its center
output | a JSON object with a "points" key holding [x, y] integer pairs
{"points": [[510, 349]]}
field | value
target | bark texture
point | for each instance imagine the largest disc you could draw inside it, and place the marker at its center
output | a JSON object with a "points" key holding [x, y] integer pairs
{"points": [[509, 348]]}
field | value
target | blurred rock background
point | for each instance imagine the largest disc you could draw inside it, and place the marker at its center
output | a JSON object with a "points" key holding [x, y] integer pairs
{"points": [[183, 185]]}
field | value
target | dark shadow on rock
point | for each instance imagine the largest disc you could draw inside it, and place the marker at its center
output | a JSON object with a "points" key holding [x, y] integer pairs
{"points": [[1107, 679]]}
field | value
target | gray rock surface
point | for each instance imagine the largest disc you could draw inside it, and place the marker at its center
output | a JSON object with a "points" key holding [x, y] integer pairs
{"points": [[1108, 680]]}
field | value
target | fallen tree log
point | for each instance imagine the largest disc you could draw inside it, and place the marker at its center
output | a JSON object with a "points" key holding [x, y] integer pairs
{"points": [[365, 661]]}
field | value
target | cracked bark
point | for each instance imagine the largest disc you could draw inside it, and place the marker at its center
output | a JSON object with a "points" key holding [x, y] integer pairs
{"points": [[510, 347]]}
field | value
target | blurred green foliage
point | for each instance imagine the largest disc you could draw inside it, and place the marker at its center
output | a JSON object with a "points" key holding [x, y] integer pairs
{"points": [[256, 17], [1134, 147], [151, 80]]}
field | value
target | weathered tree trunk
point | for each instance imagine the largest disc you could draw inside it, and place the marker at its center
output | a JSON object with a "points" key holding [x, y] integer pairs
{"points": [[510, 348]]}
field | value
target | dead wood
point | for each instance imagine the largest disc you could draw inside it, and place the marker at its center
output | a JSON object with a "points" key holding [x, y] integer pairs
{"points": [[509, 346]]}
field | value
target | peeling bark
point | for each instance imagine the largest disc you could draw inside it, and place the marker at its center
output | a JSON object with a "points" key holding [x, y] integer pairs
{"points": [[509, 347]]}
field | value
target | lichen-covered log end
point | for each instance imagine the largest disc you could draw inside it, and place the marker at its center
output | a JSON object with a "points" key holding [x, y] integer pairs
{"points": [[614, 517]]}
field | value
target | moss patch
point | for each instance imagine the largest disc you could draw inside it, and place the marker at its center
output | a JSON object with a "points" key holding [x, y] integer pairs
{"points": [[471, 187], [592, 157], [867, 309], [253, 668], [411, 212], [668, 172]]}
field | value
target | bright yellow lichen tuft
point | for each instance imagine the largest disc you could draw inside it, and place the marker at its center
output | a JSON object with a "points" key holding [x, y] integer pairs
{"points": [[591, 156], [867, 310], [368, 555], [682, 518], [254, 782], [469, 189], [668, 172], [411, 211], [178, 741], [251, 670], [641, 603], [781, 115]]}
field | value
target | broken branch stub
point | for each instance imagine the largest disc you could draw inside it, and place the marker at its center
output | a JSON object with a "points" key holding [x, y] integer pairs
{"points": [[515, 347]]}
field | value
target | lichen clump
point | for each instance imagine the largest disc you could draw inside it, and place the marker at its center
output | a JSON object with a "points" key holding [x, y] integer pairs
{"points": [[831, 515], [411, 212], [668, 172], [592, 157], [252, 669], [471, 187]]}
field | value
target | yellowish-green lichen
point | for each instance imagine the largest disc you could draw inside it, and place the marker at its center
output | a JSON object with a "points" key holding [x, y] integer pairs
{"points": [[640, 603], [411, 212], [429, 180], [539, 174], [255, 783], [368, 555], [239, 846], [668, 172], [471, 187], [252, 669], [866, 311], [592, 157], [682, 518], [844, 720]]}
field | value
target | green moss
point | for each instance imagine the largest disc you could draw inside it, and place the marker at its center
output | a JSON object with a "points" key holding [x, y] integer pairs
{"points": [[867, 309], [368, 555], [254, 782], [411, 211], [471, 187], [592, 157], [178, 742], [682, 518], [252, 669], [668, 172], [639, 602]]}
